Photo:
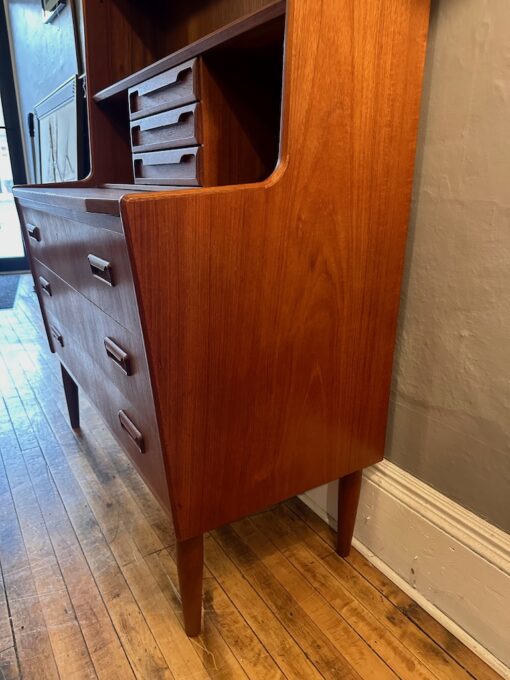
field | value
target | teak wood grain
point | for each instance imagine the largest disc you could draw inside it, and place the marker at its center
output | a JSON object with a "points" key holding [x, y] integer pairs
{"points": [[279, 316]]}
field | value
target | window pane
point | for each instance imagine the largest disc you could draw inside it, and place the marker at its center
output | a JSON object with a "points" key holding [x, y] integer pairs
{"points": [[10, 235]]}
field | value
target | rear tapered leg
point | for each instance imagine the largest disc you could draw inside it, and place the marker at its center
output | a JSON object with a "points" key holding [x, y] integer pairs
{"points": [[348, 497], [190, 567], [72, 398]]}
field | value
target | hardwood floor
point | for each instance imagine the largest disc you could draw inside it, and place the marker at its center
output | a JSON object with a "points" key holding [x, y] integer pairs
{"points": [[88, 574]]}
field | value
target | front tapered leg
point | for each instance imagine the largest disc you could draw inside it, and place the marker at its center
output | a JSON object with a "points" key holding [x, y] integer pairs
{"points": [[348, 497], [190, 567], [72, 398]]}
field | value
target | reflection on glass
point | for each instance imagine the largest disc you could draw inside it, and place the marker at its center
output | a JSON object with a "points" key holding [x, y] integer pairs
{"points": [[10, 235]]}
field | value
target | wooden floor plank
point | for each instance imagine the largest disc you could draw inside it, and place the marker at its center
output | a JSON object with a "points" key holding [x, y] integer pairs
{"points": [[69, 648], [286, 653], [138, 641], [242, 640], [90, 580], [299, 626], [9, 667], [108, 656], [435, 631], [216, 656], [33, 644], [426, 650], [373, 649]]}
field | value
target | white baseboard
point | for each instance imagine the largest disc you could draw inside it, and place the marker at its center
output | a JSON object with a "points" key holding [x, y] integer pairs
{"points": [[455, 565]]}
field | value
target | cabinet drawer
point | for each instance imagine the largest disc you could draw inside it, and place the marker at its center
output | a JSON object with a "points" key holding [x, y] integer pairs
{"points": [[175, 87], [171, 129], [145, 453], [176, 167], [94, 260], [118, 352]]}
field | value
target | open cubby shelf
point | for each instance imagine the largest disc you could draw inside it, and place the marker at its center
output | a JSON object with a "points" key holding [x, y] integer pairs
{"points": [[197, 97], [255, 29]]}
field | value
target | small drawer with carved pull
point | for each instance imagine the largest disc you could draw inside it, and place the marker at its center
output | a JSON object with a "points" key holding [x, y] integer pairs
{"points": [[175, 87], [168, 130], [92, 259], [175, 167]]}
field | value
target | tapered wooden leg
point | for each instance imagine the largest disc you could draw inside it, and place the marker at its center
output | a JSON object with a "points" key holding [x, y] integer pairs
{"points": [[348, 497], [190, 567], [72, 398]]}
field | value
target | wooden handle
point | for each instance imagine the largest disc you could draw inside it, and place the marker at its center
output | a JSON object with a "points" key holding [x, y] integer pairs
{"points": [[171, 118], [101, 269], [119, 357], [34, 232], [45, 286], [127, 424], [173, 157], [153, 85], [57, 335]]}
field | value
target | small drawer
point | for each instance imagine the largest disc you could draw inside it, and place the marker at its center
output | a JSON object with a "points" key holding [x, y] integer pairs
{"points": [[176, 87], [169, 130], [93, 260], [119, 353], [176, 167], [136, 429]]}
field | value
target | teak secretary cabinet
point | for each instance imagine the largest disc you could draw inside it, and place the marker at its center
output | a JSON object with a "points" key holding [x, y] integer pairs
{"points": [[225, 283]]}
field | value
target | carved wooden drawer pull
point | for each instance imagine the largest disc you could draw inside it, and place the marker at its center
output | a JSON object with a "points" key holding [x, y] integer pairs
{"points": [[57, 335], [127, 424], [119, 357], [101, 269], [45, 286], [34, 232]]}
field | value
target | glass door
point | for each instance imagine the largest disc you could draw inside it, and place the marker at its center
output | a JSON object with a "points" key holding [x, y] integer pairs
{"points": [[12, 253], [12, 162]]}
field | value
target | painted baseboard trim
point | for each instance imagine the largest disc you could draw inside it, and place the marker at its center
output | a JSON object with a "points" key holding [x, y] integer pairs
{"points": [[454, 564]]}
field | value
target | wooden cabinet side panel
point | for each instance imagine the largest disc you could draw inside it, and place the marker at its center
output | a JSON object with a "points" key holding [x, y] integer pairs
{"points": [[270, 310]]}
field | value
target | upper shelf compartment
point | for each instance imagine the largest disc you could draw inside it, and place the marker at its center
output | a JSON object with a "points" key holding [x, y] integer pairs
{"points": [[254, 28]]}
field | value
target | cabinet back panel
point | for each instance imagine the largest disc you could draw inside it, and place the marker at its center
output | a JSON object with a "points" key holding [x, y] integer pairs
{"points": [[192, 20]]}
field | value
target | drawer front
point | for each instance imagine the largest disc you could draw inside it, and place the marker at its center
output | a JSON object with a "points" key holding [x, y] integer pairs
{"points": [[94, 260], [118, 352], [177, 167], [175, 87], [169, 130], [135, 431]]}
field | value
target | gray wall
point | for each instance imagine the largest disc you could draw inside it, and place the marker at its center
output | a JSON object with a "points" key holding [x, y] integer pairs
{"points": [[44, 56], [450, 413]]}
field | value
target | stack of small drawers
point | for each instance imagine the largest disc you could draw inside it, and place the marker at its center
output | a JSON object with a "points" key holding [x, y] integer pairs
{"points": [[166, 127]]}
